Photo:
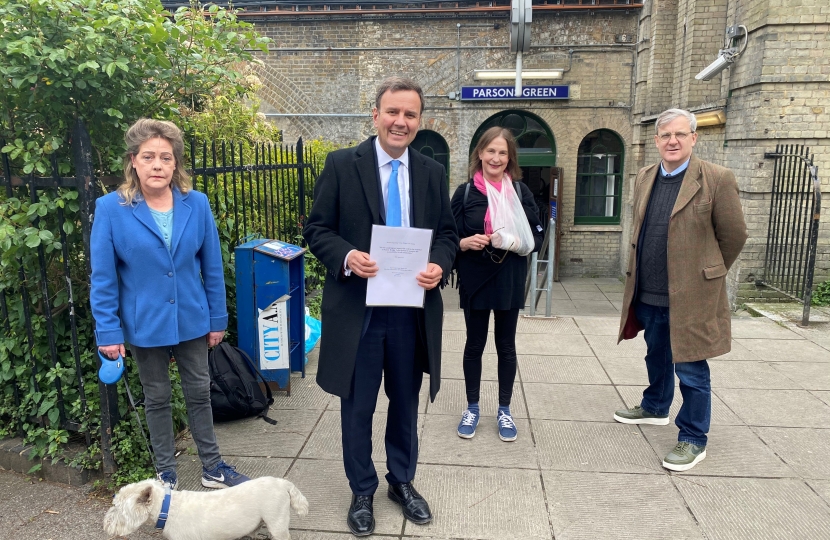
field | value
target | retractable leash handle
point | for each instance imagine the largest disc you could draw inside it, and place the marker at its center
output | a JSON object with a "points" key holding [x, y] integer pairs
{"points": [[110, 371]]}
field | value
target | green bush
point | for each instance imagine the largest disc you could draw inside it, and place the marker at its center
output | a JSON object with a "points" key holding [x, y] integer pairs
{"points": [[821, 294], [106, 63]]}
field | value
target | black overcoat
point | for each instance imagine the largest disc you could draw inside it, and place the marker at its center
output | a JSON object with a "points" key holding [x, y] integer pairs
{"points": [[484, 283], [346, 205]]}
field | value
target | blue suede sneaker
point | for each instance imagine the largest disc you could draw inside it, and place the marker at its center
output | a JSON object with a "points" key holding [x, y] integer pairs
{"points": [[222, 476], [467, 427], [507, 429], [169, 478]]}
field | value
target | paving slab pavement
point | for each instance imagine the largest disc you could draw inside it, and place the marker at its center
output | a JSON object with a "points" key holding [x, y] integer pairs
{"points": [[573, 473]]}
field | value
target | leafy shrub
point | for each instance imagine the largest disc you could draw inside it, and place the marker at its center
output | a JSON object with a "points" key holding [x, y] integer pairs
{"points": [[106, 63], [821, 294]]}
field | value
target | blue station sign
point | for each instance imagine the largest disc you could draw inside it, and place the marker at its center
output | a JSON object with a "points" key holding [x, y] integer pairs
{"points": [[483, 93]]}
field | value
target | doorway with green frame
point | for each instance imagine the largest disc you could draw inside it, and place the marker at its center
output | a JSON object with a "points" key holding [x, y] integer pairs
{"points": [[537, 152]]}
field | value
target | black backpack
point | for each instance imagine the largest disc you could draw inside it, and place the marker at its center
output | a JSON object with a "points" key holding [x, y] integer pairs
{"points": [[234, 385]]}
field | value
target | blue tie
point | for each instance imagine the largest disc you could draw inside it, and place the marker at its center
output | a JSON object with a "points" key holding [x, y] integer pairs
{"points": [[393, 203]]}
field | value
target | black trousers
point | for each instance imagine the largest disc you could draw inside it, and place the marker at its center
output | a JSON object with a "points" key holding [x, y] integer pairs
{"points": [[478, 321], [387, 352]]}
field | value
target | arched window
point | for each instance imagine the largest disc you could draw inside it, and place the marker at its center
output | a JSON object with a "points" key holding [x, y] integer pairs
{"points": [[599, 168], [535, 140], [433, 145]]}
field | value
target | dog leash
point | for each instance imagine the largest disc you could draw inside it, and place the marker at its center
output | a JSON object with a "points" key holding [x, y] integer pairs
{"points": [[141, 428], [110, 372], [165, 504]]}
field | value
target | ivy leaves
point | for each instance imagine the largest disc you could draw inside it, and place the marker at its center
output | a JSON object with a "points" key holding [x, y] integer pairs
{"points": [[108, 63], [18, 229]]}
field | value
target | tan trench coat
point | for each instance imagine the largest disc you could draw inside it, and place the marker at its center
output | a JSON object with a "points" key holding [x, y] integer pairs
{"points": [[706, 233]]}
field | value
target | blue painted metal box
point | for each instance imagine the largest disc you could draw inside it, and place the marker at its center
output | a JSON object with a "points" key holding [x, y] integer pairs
{"points": [[266, 271]]}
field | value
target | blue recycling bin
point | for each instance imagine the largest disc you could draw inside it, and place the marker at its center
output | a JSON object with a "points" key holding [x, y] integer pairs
{"points": [[270, 307]]}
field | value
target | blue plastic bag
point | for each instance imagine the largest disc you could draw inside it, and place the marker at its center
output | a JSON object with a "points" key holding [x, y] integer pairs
{"points": [[312, 333]]}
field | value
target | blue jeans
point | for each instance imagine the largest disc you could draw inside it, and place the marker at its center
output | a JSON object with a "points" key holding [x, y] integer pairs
{"points": [[192, 360], [695, 386]]}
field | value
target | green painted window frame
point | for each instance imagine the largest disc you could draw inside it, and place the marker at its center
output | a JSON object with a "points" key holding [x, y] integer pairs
{"points": [[618, 176]]}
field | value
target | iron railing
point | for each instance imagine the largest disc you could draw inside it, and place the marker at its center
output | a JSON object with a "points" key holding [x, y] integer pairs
{"points": [[792, 235], [264, 189], [46, 328], [38, 299]]}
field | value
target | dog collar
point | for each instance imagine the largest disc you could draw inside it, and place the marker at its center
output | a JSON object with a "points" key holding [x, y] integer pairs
{"points": [[165, 508]]}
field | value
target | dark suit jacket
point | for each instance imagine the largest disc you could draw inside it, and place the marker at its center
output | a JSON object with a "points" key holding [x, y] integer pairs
{"points": [[346, 205]]}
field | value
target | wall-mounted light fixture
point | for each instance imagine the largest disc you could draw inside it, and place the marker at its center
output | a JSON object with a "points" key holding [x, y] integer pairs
{"points": [[504, 74], [711, 118]]}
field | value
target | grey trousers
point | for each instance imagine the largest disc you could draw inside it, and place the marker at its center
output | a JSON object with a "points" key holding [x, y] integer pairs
{"points": [[192, 360]]}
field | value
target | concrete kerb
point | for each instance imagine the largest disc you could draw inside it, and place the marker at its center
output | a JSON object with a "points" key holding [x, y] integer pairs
{"points": [[16, 456], [788, 312]]}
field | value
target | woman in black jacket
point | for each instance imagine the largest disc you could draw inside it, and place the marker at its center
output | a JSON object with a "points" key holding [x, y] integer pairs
{"points": [[490, 279]]}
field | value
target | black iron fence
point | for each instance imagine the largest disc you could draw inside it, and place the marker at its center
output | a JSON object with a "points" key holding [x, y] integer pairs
{"points": [[259, 189], [792, 236], [48, 367]]}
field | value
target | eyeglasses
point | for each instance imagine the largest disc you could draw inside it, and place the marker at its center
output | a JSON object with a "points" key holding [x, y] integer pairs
{"points": [[495, 258], [679, 135]]}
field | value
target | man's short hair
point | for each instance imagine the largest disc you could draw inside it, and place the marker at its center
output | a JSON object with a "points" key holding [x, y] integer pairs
{"points": [[396, 84], [671, 114]]}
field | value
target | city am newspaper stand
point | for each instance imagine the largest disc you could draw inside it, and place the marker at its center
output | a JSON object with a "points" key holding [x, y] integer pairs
{"points": [[270, 308]]}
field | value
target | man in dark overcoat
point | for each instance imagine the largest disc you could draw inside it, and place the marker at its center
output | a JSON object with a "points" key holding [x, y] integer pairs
{"points": [[381, 181], [687, 230]]}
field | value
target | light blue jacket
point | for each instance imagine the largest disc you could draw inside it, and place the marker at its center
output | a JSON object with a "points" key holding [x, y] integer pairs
{"points": [[145, 294]]}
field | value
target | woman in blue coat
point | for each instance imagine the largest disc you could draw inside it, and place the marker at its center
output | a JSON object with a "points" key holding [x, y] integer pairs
{"points": [[158, 284]]}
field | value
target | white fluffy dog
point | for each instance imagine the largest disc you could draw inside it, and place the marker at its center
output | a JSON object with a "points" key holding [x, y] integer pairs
{"points": [[224, 514]]}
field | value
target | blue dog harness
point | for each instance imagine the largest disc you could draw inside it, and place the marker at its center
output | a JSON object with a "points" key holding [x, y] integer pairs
{"points": [[165, 508]]}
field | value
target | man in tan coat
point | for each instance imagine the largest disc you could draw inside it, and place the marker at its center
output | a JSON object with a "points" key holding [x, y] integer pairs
{"points": [[688, 229]]}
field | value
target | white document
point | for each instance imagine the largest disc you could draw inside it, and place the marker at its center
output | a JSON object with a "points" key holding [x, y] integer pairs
{"points": [[401, 253]]}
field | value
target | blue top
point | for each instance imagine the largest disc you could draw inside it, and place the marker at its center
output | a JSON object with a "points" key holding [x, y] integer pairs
{"points": [[148, 295], [164, 220], [676, 171]]}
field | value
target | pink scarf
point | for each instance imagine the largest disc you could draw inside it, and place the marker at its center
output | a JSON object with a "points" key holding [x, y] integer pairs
{"points": [[478, 181]]}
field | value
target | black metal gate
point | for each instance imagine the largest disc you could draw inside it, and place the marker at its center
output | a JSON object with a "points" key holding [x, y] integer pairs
{"points": [[792, 236]]}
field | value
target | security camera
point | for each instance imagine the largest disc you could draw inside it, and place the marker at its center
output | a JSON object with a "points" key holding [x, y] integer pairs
{"points": [[724, 59]]}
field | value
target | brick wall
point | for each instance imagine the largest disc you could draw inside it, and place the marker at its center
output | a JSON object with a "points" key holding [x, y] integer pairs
{"points": [[344, 82], [777, 92]]}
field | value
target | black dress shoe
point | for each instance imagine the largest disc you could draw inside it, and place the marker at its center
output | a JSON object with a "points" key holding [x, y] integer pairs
{"points": [[414, 507], [361, 517]]}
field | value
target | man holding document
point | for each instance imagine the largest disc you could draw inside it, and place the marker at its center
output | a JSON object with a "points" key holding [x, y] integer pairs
{"points": [[381, 212]]}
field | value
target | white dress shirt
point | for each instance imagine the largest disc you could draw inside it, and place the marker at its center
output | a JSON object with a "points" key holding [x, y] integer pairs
{"points": [[385, 171]]}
